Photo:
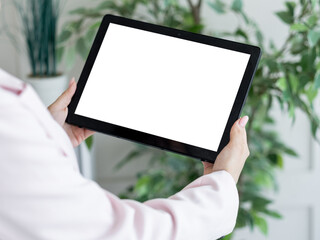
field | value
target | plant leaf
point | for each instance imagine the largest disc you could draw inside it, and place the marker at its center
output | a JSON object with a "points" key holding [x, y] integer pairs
{"points": [[81, 48], [89, 142], [285, 17], [273, 214], [313, 37], [311, 93], [262, 224], [299, 27], [291, 6], [65, 35], [228, 237], [316, 83], [70, 56], [237, 5], [312, 20], [59, 53], [282, 84], [240, 32], [218, 6]]}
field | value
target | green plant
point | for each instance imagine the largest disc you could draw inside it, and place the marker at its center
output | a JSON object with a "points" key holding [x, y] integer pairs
{"points": [[289, 75], [39, 24]]}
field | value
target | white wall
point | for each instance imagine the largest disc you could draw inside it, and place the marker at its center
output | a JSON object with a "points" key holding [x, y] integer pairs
{"points": [[297, 200]]}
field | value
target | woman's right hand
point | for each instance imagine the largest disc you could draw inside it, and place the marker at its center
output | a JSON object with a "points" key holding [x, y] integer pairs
{"points": [[232, 158]]}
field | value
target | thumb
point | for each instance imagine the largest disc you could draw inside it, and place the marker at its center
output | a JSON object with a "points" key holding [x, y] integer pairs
{"points": [[65, 98], [207, 168], [238, 133]]}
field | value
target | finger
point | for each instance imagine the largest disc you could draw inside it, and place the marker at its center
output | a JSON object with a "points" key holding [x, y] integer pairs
{"points": [[65, 98], [238, 132], [71, 81], [238, 138], [88, 133], [207, 167]]}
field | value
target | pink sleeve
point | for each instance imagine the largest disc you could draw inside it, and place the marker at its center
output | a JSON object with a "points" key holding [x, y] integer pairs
{"points": [[205, 209], [43, 195]]}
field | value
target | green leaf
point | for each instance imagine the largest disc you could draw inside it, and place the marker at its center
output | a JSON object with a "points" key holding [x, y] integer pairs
{"points": [[313, 37], [95, 26], [78, 11], [59, 53], [312, 20], [299, 27], [302, 2], [237, 5], [311, 93], [314, 128], [290, 152], [88, 12], [81, 48], [240, 32], [273, 214], [89, 142], [70, 56], [291, 6], [294, 82], [228, 237], [260, 203], [261, 224], [285, 17], [243, 218], [280, 161], [107, 5], [316, 83], [141, 186], [259, 37], [263, 180], [292, 109], [218, 6], [65, 35], [297, 45], [282, 84], [75, 26]]}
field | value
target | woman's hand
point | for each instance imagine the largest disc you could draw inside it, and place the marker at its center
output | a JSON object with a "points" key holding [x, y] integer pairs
{"points": [[59, 111], [234, 155]]}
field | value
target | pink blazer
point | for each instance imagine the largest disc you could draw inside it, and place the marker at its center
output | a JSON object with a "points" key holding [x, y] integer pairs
{"points": [[44, 196]]}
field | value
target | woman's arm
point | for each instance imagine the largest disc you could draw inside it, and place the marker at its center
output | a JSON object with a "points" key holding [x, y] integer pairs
{"points": [[205, 209], [43, 195]]}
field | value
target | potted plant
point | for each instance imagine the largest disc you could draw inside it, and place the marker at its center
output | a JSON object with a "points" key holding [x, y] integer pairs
{"points": [[39, 27]]}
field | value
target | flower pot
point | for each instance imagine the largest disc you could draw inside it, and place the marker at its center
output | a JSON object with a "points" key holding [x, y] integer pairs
{"points": [[48, 88]]}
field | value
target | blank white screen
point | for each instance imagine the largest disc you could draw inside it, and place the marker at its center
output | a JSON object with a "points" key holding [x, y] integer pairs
{"points": [[165, 86]]}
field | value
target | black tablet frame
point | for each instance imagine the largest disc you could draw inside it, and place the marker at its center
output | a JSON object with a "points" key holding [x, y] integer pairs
{"points": [[149, 139]]}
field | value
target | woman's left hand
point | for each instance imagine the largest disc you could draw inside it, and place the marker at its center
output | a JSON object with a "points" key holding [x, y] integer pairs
{"points": [[59, 112]]}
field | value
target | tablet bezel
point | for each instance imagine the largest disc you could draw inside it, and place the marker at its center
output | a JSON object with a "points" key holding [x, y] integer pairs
{"points": [[149, 139]]}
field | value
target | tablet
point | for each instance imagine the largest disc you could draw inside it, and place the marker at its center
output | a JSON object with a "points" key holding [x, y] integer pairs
{"points": [[163, 87]]}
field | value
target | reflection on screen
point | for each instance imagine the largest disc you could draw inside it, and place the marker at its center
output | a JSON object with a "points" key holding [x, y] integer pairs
{"points": [[165, 86]]}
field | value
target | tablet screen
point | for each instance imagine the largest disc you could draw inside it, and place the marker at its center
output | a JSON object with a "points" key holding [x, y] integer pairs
{"points": [[162, 85]]}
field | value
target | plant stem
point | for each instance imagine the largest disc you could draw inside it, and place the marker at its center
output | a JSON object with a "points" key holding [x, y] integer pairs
{"points": [[195, 9]]}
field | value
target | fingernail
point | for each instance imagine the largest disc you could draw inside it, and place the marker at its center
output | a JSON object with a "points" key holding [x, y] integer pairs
{"points": [[71, 81], [243, 121]]}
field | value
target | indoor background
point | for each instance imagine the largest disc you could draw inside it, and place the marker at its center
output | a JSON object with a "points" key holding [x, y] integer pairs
{"points": [[297, 197]]}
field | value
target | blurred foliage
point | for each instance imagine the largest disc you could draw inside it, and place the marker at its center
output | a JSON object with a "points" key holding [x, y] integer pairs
{"points": [[289, 75], [39, 20]]}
